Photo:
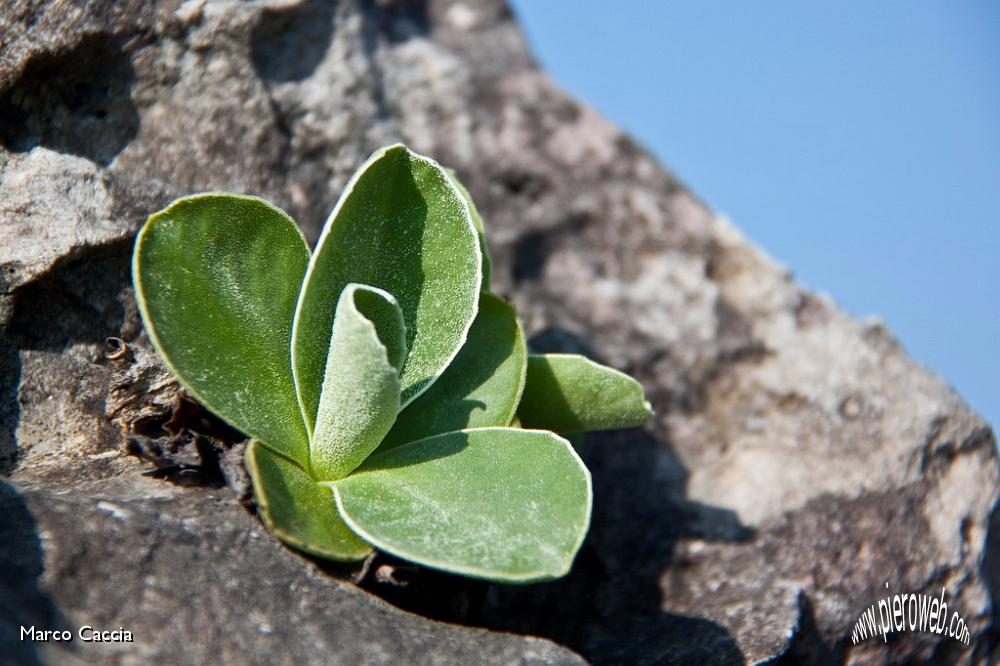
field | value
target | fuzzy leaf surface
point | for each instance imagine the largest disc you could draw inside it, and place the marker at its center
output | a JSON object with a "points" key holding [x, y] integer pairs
{"points": [[481, 387], [495, 503], [216, 278], [402, 226], [300, 512], [569, 393], [477, 220], [360, 396]]}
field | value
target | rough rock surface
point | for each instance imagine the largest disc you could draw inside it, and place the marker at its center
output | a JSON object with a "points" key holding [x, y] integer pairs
{"points": [[799, 461], [209, 584]]}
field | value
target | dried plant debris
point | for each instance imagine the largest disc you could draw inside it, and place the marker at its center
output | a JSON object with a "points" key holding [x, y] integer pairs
{"points": [[186, 443]]}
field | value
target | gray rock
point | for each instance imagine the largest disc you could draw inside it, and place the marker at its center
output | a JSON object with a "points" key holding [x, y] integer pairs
{"points": [[196, 579], [798, 463]]}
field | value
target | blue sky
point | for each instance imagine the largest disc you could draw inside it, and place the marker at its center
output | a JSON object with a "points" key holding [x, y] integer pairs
{"points": [[857, 142]]}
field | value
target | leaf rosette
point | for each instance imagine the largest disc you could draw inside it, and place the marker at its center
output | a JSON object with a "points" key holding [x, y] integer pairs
{"points": [[389, 397]]}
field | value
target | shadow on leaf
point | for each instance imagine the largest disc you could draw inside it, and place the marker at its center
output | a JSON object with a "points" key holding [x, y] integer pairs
{"points": [[418, 452]]}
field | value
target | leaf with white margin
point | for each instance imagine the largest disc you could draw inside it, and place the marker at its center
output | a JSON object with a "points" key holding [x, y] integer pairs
{"points": [[298, 510], [216, 279], [482, 386], [569, 393], [401, 225], [360, 395], [496, 503], [477, 220]]}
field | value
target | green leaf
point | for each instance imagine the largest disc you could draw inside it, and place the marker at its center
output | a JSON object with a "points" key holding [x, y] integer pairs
{"points": [[298, 510], [216, 278], [569, 393], [402, 226], [496, 503], [360, 395], [477, 220], [481, 387]]}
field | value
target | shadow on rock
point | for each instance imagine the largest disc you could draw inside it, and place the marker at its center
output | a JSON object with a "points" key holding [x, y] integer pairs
{"points": [[609, 608], [990, 570], [80, 299], [288, 44], [22, 601], [10, 410], [83, 298], [807, 645], [77, 102]]}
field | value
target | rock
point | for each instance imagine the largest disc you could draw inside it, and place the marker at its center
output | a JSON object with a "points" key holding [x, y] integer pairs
{"points": [[196, 579], [799, 462]]}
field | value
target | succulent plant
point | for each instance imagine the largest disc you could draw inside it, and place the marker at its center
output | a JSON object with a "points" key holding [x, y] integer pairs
{"points": [[390, 398]]}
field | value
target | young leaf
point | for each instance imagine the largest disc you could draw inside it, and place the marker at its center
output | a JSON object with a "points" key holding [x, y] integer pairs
{"points": [[496, 503], [477, 220], [301, 512], [216, 278], [360, 395], [481, 387], [569, 393], [402, 226]]}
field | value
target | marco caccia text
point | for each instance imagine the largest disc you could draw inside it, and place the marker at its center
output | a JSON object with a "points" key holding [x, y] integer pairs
{"points": [[86, 633]]}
